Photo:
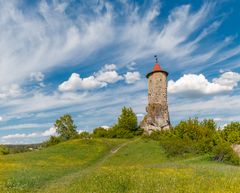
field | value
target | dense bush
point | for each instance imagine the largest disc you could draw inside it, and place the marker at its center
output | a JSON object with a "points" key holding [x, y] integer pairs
{"points": [[84, 135], [197, 136], [195, 130], [4, 150], [118, 132], [100, 132], [53, 140], [200, 137], [175, 146], [223, 152]]}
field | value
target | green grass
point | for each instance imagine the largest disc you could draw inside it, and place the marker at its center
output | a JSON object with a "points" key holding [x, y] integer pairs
{"points": [[104, 165], [28, 172]]}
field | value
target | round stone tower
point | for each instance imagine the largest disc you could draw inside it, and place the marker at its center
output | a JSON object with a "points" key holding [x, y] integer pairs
{"points": [[157, 117]]}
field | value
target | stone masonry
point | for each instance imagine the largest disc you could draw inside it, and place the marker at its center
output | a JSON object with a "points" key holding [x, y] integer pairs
{"points": [[157, 117]]}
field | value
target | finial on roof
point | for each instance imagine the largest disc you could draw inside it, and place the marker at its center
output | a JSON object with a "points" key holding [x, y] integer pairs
{"points": [[156, 57]]}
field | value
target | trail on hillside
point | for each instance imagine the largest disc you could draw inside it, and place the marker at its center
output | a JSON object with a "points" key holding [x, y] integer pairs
{"points": [[113, 151], [62, 184]]}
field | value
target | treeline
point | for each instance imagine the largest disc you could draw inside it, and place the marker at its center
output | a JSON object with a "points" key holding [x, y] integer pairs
{"points": [[126, 127], [11, 149], [201, 137]]}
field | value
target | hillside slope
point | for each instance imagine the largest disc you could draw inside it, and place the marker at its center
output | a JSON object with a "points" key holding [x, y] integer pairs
{"points": [[106, 165]]}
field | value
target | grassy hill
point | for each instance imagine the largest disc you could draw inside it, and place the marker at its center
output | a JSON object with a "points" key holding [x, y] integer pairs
{"points": [[113, 165]]}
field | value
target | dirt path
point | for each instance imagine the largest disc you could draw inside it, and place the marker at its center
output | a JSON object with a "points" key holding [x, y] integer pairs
{"points": [[113, 151], [61, 185]]}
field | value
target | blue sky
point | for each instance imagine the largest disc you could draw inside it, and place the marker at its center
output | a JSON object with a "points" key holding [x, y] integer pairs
{"points": [[90, 58]]}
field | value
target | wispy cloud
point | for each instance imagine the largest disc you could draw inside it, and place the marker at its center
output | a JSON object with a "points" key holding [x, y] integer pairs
{"points": [[49, 132], [23, 126], [46, 37]]}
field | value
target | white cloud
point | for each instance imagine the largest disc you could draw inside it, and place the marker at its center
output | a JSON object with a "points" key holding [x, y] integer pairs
{"points": [[230, 79], [76, 83], [10, 91], [132, 77], [131, 66], [20, 135], [109, 67], [98, 80], [105, 127], [37, 76], [1, 118], [108, 74], [23, 126], [49, 132], [108, 77], [196, 85]]}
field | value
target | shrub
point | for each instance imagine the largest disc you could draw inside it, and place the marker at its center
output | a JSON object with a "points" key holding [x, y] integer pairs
{"points": [[4, 150], [100, 132], [53, 140], [190, 136], [195, 130], [223, 152], [117, 132], [84, 135], [174, 146], [205, 145], [138, 132], [201, 134]]}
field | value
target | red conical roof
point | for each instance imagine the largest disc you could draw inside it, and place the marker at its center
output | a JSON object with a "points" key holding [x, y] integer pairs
{"points": [[157, 67]]}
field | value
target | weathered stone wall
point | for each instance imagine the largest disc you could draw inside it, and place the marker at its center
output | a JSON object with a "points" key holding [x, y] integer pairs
{"points": [[157, 117]]}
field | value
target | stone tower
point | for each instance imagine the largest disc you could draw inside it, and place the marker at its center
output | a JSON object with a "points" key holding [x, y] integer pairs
{"points": [[157, 117]]}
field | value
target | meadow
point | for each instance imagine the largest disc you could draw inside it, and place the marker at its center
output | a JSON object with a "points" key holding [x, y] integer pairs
{"points": [[116, 166]]}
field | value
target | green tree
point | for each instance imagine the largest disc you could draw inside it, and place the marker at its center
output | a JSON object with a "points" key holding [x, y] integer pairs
{"points": [[128, 120], [100, 132], [65, 127], [231, 132]]}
